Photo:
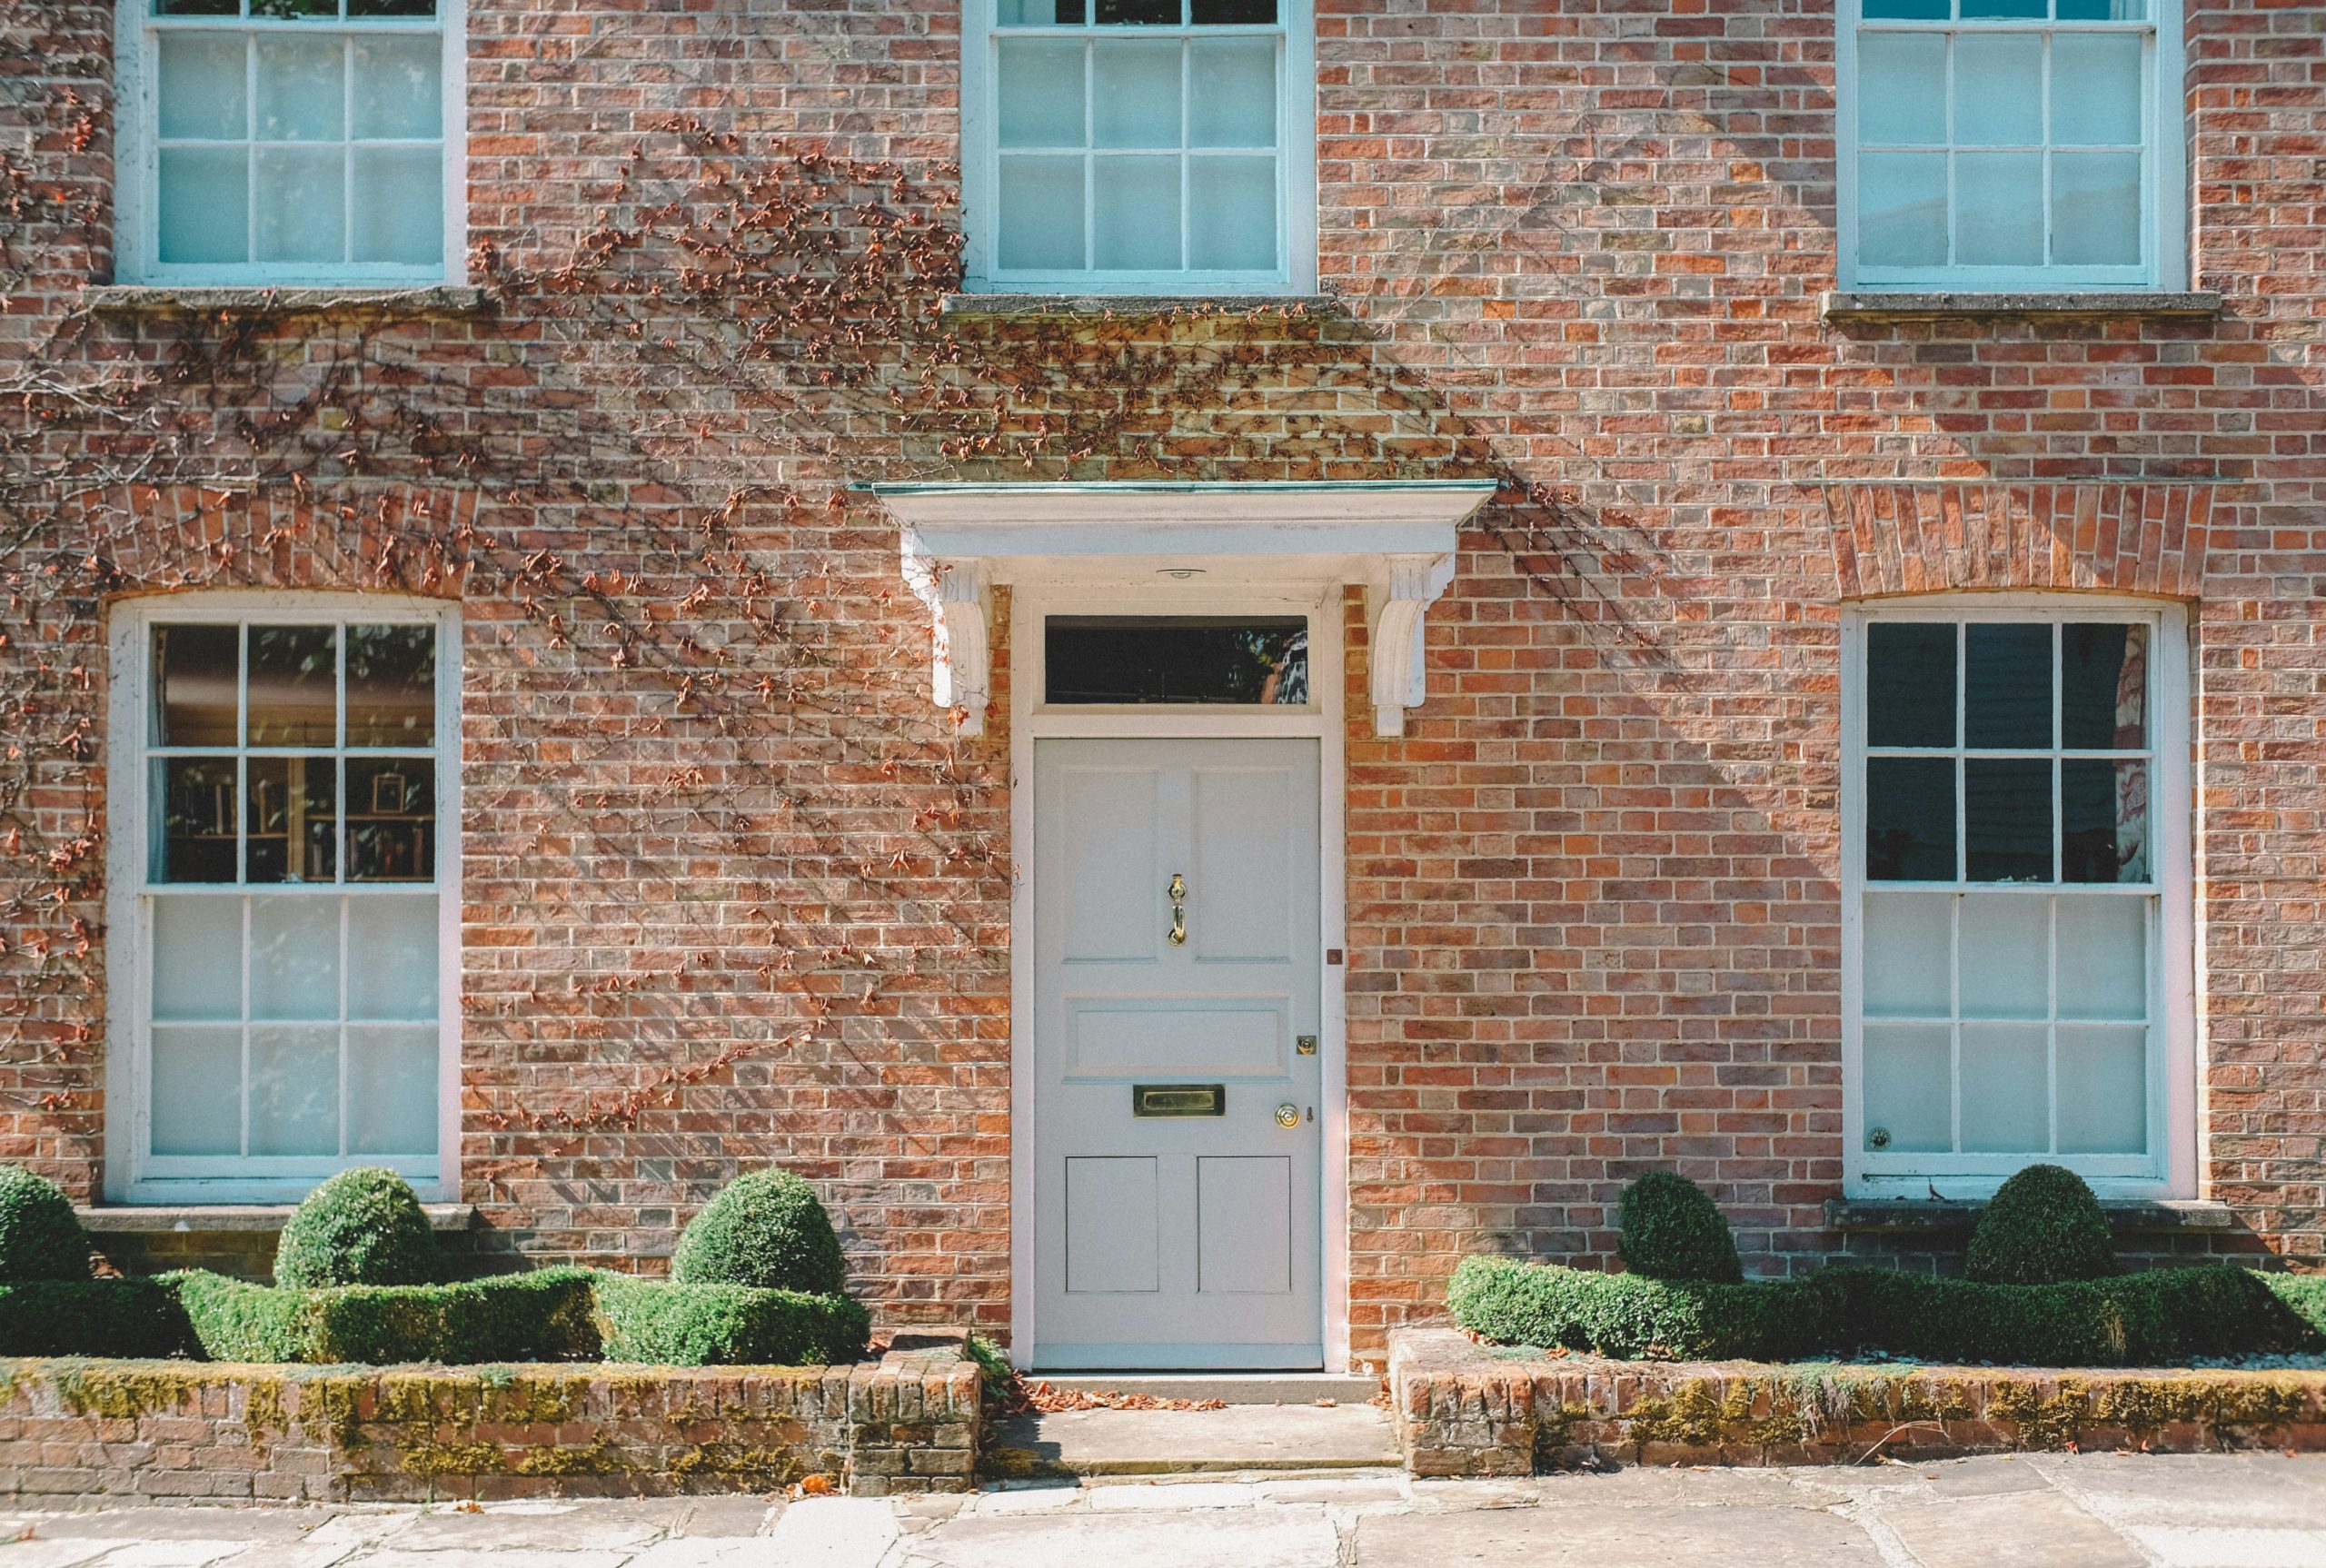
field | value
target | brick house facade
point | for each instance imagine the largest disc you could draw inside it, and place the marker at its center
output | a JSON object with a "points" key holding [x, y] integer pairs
{"points": [[732, 887]]}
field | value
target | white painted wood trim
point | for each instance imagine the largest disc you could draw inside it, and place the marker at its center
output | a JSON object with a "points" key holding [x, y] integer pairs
{"points": [[1030, 718], [2176, 1078], [128, 1097]]}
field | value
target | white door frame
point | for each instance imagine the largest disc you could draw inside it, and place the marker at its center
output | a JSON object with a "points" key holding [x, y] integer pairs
{"points": [[1030, 720]]}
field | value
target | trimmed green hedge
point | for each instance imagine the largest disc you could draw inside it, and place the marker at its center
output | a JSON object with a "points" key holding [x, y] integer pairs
{"points": [[40, 1236], [1673, 1230], [671, 1325], [544, 1316], [118, 1317], [362, 1226], [766, 1230], [2160, 1315]]}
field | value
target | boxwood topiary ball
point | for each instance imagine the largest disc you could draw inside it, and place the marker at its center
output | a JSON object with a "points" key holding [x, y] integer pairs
{"points": [[2042, 1227], [764, 1228], [362, 1226], [1673, 1230], [40, 1238]]}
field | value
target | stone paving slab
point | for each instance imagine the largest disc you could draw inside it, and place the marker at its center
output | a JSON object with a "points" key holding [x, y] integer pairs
{"points": [[1279, 1537], [1151, 1442], [2044, 1530], [1559, 1536]]}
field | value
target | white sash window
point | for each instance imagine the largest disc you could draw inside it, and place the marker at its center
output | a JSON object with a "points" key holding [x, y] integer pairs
{"points": [[282, 783], [2017, 939]]}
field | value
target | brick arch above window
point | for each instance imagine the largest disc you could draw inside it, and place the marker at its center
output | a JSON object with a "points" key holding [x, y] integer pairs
{"points": [[2103, 537], [164, 538]]}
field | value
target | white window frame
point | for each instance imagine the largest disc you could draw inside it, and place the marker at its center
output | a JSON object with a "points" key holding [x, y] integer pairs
{"points": [[137, 158], [1297, 167], [2164, 240], [2171, 1163], [129, 1173]]}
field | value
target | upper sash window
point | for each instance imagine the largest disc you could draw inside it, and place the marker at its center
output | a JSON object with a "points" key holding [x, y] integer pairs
{"points": [[1140, 145], [291, 141], [2008, 143]]}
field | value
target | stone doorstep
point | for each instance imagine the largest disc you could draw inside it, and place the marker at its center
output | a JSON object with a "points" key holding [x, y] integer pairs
{"points": [[1241, 1438], [1462, 1408]]}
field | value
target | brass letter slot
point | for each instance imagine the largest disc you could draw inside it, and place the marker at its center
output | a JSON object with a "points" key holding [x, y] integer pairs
{"points": [[1178, 1099]]}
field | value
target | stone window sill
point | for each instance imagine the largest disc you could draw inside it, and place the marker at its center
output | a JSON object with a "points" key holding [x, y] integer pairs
{"points": [[153, 1219], [1128, 305], [441, 299], [1932, 1216], [1864, 305]]}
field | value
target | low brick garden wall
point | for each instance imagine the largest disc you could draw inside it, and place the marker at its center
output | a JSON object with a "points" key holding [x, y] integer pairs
{"points": [[1466, 1409], [214, 1431]]}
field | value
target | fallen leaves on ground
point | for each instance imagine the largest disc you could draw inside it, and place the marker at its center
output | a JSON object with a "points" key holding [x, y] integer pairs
{"points": [[1047, 1401]]}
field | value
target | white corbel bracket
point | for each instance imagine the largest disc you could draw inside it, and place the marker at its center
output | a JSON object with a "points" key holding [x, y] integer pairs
{"points": [[960, 665], [1399, 600]]}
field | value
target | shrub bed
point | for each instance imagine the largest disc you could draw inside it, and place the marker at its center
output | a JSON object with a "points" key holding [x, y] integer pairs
{"points": [[2160, 1315], [677, 1325], [120, 1317], [544, 1315]]}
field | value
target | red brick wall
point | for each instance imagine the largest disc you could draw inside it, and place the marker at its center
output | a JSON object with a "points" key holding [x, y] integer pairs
{"points": [[1594, 891]]}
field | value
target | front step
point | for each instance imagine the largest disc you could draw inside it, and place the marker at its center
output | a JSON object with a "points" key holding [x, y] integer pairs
{"points": [[1228, 1387], [1243, 1437]]}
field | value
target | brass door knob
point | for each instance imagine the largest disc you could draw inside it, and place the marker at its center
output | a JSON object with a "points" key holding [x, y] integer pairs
{"points": [[1287, 1115]]}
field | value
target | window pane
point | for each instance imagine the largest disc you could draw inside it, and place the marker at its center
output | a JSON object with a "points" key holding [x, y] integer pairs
{"points": [[1909, 1106], [292, 828], [206, 206], [392, 686], [1999, 90], [2006, 1090], [1138, 227], [2104, 958], [197, 1091], [1233, 225], [1999, 223], [203, 87], [198, 669], [1909, 954], [294, 957], [398, 88], [2006, 685], [1163, 12], [394, 942], [1041, 214], [196, 829], [294, 1091], [392, 1091], [2103, 686], [1910, 819], [2104, 1091], [1902, 88], [2006, 820], [399, 205], [1231, 92], [2096, 89], [391, 7], [1909, 684], [301, 205], [2016, 10], [1040, 92], [1902, 209], [390, 820], [1907, 10], [1135, 94], [1039, 12], [2006, 956], [197, 7], [2105, 834], [294, 686], [300, 83], [293, 9], [198, 958], [2101, 10], [2096, 209], [1174, 659], [1233, 13]]}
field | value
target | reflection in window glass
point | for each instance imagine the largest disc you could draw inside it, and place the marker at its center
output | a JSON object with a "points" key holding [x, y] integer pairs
{"points": [[1176, 660], [1910, 819]]}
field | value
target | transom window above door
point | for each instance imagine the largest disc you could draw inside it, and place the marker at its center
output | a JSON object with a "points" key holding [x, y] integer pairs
{"points": [[284, 988], [2019, 863], [1140, 145], [2010, 143], [290, 140]]}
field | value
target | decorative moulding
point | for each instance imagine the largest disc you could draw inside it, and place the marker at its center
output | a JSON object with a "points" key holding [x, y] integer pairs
{"points": [[1397, 536]]}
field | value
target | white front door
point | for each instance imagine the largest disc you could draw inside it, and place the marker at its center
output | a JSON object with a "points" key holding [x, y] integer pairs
{"points": [[1176, 1083]]}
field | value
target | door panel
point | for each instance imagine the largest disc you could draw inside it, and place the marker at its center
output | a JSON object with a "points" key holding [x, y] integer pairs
{"points": [[1175, 1240]]}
